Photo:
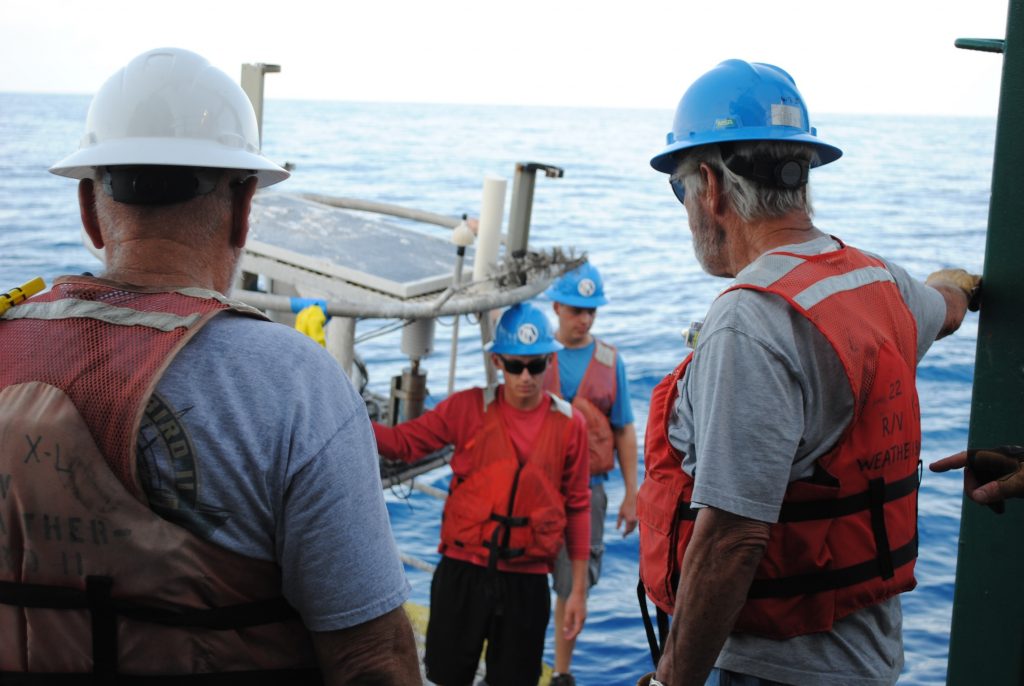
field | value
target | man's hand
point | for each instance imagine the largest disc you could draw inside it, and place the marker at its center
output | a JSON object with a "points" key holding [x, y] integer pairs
{"points": [[627, 515], [575, 613], [991, 476], [969, 283]]}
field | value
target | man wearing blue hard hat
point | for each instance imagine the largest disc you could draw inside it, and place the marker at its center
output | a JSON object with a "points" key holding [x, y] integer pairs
{"points": [[778, 513], [519, 489], [590, 374]]}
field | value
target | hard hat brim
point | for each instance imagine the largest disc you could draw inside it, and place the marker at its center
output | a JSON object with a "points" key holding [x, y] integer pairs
{"points": [[552, 346], [82, 163], [666, 161], [578, 300]]}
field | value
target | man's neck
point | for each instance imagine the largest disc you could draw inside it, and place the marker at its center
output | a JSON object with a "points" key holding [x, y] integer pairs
{"points": [[755, 239], [523, 404], [573, 345], [156, 263]]}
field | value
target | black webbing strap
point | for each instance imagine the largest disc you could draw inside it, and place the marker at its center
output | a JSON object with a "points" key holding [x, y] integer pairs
{"points": [[510, 521], [876, 493], [684, 513], [648, 627], [831, 579], [104, 628], [840, 507], [218, 618], [104, 611], [501, 551]]}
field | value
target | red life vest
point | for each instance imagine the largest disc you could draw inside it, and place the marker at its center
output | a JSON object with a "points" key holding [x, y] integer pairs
{"points": [[91, 580], [846, 538], [509, 510], [594, 398]]}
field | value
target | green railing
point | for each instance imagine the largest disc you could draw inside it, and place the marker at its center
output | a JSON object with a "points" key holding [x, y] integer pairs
{"points": [[987, 640]]}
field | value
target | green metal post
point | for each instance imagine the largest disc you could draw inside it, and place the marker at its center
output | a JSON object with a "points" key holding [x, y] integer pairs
{"points": [[987, 641]]}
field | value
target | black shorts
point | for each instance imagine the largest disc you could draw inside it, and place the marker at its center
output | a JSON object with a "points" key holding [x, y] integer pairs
{"points": [[469, 604]]}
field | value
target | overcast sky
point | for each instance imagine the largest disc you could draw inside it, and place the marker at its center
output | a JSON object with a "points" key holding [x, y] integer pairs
{"points": [[865, 56]]}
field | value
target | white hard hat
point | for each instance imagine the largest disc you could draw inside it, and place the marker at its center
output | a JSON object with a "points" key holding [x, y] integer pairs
{"points": [[170, 107]]}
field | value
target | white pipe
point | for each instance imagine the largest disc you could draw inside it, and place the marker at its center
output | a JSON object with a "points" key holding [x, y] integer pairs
{"points": [[492, 210]]}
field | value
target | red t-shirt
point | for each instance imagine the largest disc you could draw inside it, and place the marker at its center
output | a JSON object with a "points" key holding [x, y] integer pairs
{"points": [[459, 417]]}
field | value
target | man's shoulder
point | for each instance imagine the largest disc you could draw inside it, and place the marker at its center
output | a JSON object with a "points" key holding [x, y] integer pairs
{"points": [[266, 354]]}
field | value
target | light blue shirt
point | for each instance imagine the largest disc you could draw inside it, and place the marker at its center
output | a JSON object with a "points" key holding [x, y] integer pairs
{"points": [[572, 365], [285, 464]]}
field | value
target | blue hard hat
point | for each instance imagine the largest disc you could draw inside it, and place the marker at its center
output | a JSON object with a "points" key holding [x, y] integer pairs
{"points": [[582, 287], [741, 101], [523, 330]]}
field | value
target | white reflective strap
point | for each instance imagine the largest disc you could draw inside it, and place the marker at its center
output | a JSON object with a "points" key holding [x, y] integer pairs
{"points": [[73, 308], [196, 292], [812, 295], [604, 354], [768, 269], [560, 405], [490, 394]]}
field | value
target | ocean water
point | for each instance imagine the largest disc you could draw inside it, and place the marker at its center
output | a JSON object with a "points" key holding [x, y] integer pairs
{"points": [[914, 189]]}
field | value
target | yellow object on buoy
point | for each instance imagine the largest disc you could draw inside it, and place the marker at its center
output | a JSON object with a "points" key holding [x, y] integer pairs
{"points": [[20, 293], [310, 320]]}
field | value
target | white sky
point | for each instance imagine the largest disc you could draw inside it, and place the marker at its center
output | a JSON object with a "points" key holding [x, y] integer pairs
{"points": [[860, 56]]}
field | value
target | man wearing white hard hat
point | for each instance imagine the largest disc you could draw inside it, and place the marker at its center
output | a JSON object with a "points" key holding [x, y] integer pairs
{"points": [[519, 490], [778, 511], [589, 373], [185, 505]]}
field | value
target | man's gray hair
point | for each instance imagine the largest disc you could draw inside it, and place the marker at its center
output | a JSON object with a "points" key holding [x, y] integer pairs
{"points": [[750, 200]]}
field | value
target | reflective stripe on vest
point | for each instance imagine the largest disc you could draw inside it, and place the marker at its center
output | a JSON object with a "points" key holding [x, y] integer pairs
{"points": [[866, 483], [509, 510], [91, 580], [594, 398]]}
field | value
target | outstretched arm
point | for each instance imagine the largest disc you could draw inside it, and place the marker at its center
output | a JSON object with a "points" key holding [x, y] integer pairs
{"points": [[381, 652]]}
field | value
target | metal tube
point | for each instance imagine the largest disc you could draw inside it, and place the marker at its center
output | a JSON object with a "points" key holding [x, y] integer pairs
{"points": [[383, 208], [460, 256], [252, 84], [522, 204], [341, 341], [411, 310]]}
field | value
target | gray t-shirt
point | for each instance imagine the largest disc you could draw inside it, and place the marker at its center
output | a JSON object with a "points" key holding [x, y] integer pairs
{"points": [[256, 441], [759, 404]]}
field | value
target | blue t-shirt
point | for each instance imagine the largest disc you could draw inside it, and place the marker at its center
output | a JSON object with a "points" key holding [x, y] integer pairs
{"points": [[285, 467], [572, 364]]}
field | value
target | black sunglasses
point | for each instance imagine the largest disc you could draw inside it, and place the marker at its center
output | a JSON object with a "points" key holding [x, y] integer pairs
{"points": [[516, 367], [678, 188]]}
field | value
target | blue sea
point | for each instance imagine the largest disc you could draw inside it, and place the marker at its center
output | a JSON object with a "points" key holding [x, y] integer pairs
{"points": [[914, 189]]}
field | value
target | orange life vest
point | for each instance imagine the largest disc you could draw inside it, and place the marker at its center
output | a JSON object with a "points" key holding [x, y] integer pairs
{"points": [[846, 538], [509, 510], [91, 580], [594, 398]]}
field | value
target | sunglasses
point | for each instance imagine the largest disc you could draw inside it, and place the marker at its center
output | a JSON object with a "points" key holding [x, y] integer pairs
{"points": [[679, 188], [516, 367]]}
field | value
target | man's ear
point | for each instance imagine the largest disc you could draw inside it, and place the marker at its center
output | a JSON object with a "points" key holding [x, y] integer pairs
{"points": [[87, 210], [241, 205], [712, 189]]}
